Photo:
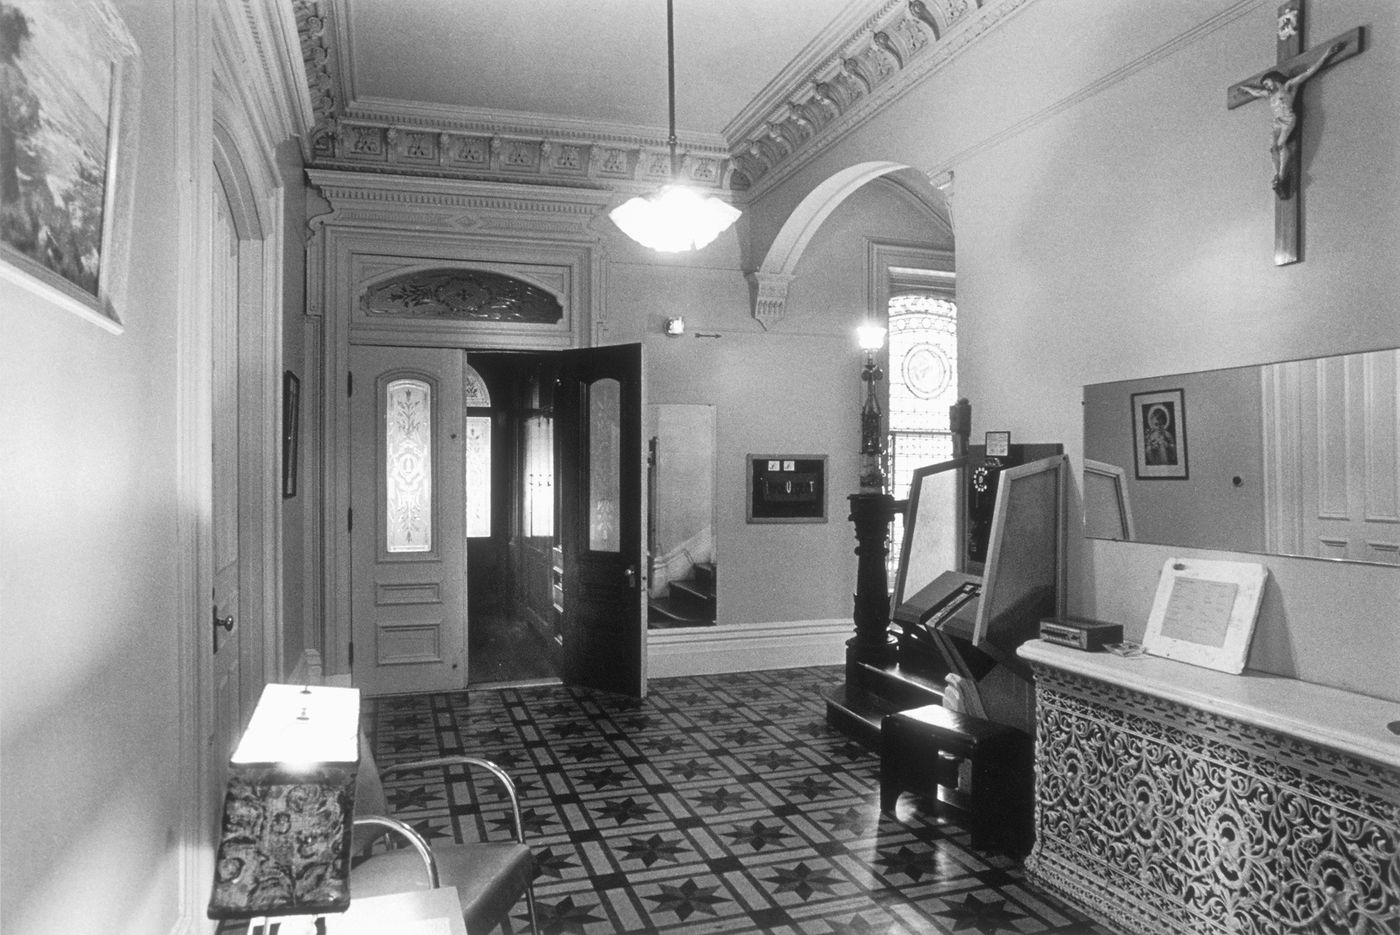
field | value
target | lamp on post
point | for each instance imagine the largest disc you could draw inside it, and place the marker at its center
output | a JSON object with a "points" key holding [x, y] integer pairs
{"points": [[284, 842], [871, 511], [872, 435]]}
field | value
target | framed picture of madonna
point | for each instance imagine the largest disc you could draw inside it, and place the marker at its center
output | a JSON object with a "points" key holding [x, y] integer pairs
{"points": [[67, 135], [1159, 435]]}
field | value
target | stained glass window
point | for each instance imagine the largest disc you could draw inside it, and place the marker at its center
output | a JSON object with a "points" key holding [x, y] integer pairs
{"points": [[923, 383], [478, 443], [408, 466]]}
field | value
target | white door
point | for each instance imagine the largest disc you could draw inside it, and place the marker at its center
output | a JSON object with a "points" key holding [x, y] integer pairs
{"points": [[407, 520], [1332, 434], [226, 624]]}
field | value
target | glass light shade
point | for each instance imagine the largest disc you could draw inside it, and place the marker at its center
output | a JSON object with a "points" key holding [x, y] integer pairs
{"points": [[871, 336], [295, 724], [674, 219]]}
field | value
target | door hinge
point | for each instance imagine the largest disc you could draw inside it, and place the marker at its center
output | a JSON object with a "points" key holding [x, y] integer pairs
{"points": [[350, 520], [349, 383]]}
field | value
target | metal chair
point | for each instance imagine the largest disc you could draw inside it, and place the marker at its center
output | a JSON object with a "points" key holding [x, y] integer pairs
{"points": [[490, 877]]}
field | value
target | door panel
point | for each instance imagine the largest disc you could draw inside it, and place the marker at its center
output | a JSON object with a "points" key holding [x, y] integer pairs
{"points": [[598, 411], [225, 622], [407, 538]]}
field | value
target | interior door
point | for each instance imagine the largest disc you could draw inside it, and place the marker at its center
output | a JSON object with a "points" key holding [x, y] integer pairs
{"points": [[598, 430], [407, 520], [225, 621], [1331, 430]]}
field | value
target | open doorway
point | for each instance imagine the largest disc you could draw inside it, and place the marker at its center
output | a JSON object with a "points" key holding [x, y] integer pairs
{"points": [[513, 632]]}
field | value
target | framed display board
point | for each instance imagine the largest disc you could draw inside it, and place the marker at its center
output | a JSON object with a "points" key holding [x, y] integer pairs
{"points": [[786, 488], [1204, 612]]}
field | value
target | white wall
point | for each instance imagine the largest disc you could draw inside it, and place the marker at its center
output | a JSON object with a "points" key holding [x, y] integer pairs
{"points": [[90, 789], [1114, 221]]}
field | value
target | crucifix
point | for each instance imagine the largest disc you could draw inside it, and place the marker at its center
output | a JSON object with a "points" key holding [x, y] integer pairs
{"points": [[1281, 86]]}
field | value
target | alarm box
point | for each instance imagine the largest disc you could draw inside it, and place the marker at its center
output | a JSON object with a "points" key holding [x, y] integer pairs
{"points": [[1090, 635]]}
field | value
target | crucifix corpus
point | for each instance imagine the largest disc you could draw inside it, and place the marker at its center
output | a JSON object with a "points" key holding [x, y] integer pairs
{"points": [[1281, 86]]}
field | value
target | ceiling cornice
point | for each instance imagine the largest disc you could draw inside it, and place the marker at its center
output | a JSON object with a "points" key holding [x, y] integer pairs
{"points": [[826, 95], [451, 142]]}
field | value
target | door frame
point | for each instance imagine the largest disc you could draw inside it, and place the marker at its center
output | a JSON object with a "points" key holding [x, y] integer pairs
{"points": [[224, 134], [377, 225]]}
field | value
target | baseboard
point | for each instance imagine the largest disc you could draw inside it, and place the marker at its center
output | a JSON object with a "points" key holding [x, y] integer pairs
{"points": [[747, 647]]}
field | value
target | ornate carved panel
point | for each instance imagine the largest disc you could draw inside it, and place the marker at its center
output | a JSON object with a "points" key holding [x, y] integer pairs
{"points": [[1155, 816], [461, 295]]}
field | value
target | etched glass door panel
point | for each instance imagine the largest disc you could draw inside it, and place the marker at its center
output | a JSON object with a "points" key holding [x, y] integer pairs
{"points": [[408, 520], [604, 464], [408, 466]]}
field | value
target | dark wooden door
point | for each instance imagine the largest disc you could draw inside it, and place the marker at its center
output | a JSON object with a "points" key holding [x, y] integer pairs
{"points": [[598, 426]]}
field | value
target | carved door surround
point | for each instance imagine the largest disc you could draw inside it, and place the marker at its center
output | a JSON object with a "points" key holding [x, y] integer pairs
{"points": [[412, 261]]}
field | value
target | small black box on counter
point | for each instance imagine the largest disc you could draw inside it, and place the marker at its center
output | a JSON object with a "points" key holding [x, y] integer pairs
{"points": [[1090, 635]]}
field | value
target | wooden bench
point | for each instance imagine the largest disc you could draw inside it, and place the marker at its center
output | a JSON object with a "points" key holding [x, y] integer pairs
{"points": [[923, 749]]}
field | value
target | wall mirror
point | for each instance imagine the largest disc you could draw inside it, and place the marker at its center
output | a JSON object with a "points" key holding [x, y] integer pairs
{"points": [[681, 515], [1296, 458]]}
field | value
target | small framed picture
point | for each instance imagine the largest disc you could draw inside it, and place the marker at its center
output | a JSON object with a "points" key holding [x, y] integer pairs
{"points": [[291, 432], [1159, 435], [786, 489], [998, 444]]}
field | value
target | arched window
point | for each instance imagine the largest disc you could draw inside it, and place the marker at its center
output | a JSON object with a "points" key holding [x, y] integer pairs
{"points": [[923, 384]]}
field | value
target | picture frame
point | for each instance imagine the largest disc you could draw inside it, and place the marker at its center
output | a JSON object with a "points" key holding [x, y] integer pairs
{"points": [[1159, 435], [786, 488], [291, 432], [1204, 612], [65, 236]]}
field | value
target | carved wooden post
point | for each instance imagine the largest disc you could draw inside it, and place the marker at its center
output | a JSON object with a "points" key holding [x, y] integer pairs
{"points": [[871, 513]]}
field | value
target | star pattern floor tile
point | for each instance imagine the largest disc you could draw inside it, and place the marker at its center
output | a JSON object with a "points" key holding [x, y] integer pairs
{"points": [[719, 803]]}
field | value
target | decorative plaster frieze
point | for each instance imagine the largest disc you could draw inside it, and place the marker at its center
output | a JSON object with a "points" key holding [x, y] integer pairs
{"points": [[770, 292], [886, 56], [445, 142]]}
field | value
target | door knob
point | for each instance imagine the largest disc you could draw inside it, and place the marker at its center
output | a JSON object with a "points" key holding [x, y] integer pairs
{"points": [[631, 576], [223, 623]]}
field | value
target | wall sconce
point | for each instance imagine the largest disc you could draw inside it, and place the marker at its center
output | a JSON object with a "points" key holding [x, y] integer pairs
{"points": [[284, 844], [872, 436], [675, 327]]}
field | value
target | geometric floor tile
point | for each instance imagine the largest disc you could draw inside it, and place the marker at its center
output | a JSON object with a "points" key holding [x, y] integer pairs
{"points": [[718, 803]]}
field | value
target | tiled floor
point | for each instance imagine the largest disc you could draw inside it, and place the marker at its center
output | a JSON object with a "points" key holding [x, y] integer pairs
{"points": [[717, 804]]}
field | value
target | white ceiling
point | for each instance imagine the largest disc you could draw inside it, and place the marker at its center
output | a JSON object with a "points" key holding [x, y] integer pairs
{"points": [[602, 62]]}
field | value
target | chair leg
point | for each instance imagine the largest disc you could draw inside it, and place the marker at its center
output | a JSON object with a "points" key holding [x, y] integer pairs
{"points": [[530, 907]]}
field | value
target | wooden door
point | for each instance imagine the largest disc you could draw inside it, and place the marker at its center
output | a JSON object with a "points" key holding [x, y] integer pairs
{"points": [[1331, 434], [407, 520], [226, 624], [598, 430]]}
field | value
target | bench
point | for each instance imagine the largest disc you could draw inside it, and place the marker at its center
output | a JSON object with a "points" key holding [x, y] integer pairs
{"points": [[923, 749]]}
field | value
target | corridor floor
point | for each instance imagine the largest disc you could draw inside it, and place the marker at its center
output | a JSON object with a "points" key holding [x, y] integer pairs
{"points": [[718, 804]]}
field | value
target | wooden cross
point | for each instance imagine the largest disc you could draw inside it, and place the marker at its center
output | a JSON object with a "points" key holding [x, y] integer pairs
{"points": [[1282, 85]]}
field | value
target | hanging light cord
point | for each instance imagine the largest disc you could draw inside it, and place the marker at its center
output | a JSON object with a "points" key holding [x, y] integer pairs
{"points": [[671, 78]]}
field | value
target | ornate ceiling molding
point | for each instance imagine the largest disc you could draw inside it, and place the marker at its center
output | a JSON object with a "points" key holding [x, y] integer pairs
{"points": [[443, 142], [826, 94]]}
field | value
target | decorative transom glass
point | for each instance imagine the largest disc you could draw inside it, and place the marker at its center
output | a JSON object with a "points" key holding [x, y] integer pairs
{"points": [[408, 466]]}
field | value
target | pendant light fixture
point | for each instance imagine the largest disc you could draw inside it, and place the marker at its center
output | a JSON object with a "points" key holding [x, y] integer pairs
{"points": [[676, 218]]}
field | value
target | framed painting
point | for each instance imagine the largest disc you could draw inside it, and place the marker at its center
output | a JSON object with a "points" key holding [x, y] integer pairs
{"points": [[67, 131], [1159, 435]]}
